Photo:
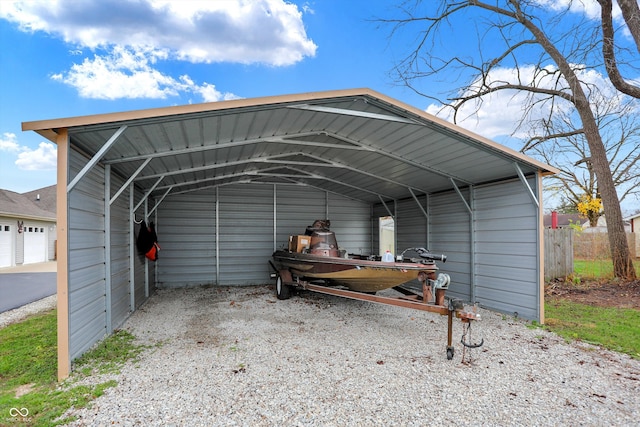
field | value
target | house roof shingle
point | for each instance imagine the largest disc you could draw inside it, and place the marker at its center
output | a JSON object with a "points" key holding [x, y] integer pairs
{"points": [[25, 205]]}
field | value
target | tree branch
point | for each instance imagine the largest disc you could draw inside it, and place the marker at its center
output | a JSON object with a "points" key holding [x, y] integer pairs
{"points": [[608, 50]]}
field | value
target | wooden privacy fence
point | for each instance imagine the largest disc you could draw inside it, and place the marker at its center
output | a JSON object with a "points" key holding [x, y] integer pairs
{"points": [[563, 244], [558, 252], [596, 245]]}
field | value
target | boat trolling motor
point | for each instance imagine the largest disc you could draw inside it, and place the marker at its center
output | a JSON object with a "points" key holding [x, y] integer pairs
{"points": [[426, 254]]}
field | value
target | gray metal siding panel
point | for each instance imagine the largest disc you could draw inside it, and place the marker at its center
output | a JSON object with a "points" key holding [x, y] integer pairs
{"points": [[246, 234], [139, 288], [120, 243], [351, 221], [411, 224], [87, 312], [296, 209], [507, 249], [186, 231], [450, 235], [139, 259], [187, 237]]}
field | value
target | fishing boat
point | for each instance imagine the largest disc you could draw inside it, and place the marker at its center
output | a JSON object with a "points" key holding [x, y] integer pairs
{"points": [[316, 256], [315, 263]]}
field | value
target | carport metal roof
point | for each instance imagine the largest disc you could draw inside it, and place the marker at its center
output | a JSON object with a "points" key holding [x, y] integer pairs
{"points": [[357, 143]]}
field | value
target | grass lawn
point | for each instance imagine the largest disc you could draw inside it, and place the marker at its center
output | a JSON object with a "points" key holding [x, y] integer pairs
{"points": [[597, 268], [29, 391], [616, 329], [613, 328]]}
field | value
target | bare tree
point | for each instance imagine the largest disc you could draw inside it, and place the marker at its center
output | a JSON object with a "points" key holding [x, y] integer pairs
{"points": [[509, 34], [568, 150]]}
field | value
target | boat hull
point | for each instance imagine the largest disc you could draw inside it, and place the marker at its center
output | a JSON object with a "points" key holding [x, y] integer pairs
{"points": [[355, 274]]}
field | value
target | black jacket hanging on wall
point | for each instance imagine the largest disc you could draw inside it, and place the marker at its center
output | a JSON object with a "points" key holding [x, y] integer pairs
{"points": [[147, 241]]}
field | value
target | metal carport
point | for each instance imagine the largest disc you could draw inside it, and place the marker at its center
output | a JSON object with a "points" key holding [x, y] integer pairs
{"points": [[227, 182]]}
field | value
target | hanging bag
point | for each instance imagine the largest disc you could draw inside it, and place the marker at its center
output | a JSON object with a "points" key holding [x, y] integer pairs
{"points": [[147, 241], [152, 253]]}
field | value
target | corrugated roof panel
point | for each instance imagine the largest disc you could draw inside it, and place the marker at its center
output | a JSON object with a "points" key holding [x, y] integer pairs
{"points": [[383, 145]]}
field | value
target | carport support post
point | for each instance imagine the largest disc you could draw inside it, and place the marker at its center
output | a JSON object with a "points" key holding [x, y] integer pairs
{"points": [[132, 240], [64, 362], [107, 247], [541, 253], [275, 216], [146, 260], [217, 227], [536, 198], [326, 205], [472, 230]]}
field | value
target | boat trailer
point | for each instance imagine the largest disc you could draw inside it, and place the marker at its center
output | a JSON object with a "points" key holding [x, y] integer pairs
{"points": [[427, 301]]}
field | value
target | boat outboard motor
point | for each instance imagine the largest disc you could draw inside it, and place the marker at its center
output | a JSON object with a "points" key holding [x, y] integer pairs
{"points": [[324, 243]]}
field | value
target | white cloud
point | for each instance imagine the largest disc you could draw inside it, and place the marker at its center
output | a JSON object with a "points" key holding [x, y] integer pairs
{"points": [[499, 113], [121, 74], [129, 38], [8, 142], [307, 8], [590, 8], [242, 31], [209, 93], [42, 158], [125, 73]]}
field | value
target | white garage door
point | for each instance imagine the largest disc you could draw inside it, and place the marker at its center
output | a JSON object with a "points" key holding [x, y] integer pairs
{"points": [[5, 245], [35, 244]]}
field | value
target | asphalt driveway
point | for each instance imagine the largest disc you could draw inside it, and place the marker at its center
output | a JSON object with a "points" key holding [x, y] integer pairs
{"points": [[25, 284]]}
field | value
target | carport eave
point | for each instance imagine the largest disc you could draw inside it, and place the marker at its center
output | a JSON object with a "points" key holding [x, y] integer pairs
{"points": [[48, 127]]}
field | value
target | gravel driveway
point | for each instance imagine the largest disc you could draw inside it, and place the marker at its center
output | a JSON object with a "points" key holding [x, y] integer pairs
{"points": [[239, 357]]}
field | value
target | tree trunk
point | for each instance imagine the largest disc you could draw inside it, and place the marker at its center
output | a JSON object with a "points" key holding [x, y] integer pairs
{"points": [[622, 262]]}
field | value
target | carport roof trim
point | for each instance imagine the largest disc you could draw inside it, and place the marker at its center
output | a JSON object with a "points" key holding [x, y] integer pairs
{"points": [[399, 113]]}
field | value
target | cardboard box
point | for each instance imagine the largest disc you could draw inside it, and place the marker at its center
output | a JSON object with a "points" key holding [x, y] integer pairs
{"points": [[299, 243]]}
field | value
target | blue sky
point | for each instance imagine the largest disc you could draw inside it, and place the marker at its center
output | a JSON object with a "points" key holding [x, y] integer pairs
{"points": [[51, 70], [64, 58]]}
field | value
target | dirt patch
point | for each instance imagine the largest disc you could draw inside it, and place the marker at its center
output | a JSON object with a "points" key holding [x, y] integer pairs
{"points": [[23, 389], [603, 294]]}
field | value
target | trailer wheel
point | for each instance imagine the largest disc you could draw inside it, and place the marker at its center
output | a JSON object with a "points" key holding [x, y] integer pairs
{"points": [[450, 351], [282, 291]]}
